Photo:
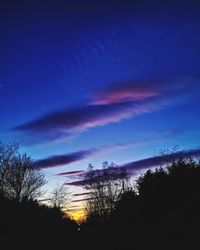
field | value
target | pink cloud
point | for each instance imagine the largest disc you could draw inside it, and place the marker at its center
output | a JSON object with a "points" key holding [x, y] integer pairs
{"points": [[135, 90], [120, 113], [121, 102], [63, 124], [124, 93]]}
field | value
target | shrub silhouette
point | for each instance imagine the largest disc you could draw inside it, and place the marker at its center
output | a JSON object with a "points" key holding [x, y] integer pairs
{"points": [[27, 224]]}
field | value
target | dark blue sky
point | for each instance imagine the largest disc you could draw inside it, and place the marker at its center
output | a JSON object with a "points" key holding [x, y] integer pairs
{"points": [[99, 80]]}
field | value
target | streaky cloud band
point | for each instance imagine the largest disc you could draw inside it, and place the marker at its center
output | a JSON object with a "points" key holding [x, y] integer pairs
{"points": [[121, 102], [134, 167]]}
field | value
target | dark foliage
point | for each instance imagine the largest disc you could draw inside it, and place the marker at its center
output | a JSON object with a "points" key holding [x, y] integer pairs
{"points": [[163, 213], [27, 224]]}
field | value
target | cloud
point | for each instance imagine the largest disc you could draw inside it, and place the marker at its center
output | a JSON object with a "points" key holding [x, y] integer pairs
{"points": [[113, 172], [60, 160], [71, 173], [132, 168], [160, 160], [81, 200], [123, 101], [127, 91], [82, 194], [57, 125], [79, 183], [75, 210], [65, 159], [136, 90]]}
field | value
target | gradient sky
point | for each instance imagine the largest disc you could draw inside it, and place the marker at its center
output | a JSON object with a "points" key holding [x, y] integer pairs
{"points": [[87, 81]]}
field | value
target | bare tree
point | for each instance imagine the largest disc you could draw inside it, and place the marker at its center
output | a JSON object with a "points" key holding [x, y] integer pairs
{"points": [[19, 178], [105, 186], [60, 197], [7, 152]]}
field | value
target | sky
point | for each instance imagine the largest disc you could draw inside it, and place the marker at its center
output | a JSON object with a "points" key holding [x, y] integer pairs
{"points": [[92, 81]]}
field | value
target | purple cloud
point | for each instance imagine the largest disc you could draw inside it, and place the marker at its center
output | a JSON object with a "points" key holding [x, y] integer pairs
{"points": [[79, 183], [132, 168], [71, 173], [132, 91], [60, 160], [160, 160], [65, 159], [62, 124], [125, 101], [114, 172]]}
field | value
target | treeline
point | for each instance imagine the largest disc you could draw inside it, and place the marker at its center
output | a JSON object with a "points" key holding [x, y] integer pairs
{"points": [[161, 211], [24, 222], [30, 225]]}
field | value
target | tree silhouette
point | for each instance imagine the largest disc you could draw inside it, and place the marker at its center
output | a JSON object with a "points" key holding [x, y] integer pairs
{"points": [[60, 197], [164, 210], [161, 211], [105, 186], [27, 224], [19, 178]]}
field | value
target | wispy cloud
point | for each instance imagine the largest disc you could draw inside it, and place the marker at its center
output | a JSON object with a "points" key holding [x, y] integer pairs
{"points": [[82, 194], [123, 101], [130, 91], [60, 160], [64, 124], [71, 173], [65, 159], [68, 158], [81, 200], [160, 160], [134, 167], [79, 183]]}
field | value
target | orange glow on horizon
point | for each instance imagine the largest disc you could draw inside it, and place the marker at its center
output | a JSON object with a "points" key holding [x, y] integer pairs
{"points": [[77, 216]]}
